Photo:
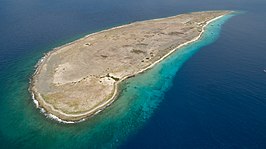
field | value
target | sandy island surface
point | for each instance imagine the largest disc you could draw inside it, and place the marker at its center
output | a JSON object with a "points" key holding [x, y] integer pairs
{"points": [[79, 79]]}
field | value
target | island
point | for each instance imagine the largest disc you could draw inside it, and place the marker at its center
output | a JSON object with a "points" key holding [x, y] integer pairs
{"points": [[78, 80]]}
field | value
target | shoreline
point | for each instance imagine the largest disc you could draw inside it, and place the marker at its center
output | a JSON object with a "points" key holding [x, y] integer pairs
{"points": [[116, 91]]}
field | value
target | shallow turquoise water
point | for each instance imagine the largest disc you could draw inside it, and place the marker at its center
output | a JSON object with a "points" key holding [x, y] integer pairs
{"points": [[23, 126]]}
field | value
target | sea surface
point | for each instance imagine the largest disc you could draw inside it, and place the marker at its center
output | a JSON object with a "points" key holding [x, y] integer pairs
{"points": [[210, 94]]}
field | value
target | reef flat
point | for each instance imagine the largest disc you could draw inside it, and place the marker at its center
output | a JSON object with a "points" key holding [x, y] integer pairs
{"points": [[79, 79]]}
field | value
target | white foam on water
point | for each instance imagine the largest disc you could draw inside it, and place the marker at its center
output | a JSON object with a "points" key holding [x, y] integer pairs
{"points": [[51, 116], [35, 101]]}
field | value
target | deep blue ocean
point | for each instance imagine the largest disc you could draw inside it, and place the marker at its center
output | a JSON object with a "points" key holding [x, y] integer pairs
{"points": [[210, 94]]}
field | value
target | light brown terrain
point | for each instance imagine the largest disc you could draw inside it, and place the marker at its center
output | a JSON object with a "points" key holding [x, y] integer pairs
{"points": [[77, 80]]}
